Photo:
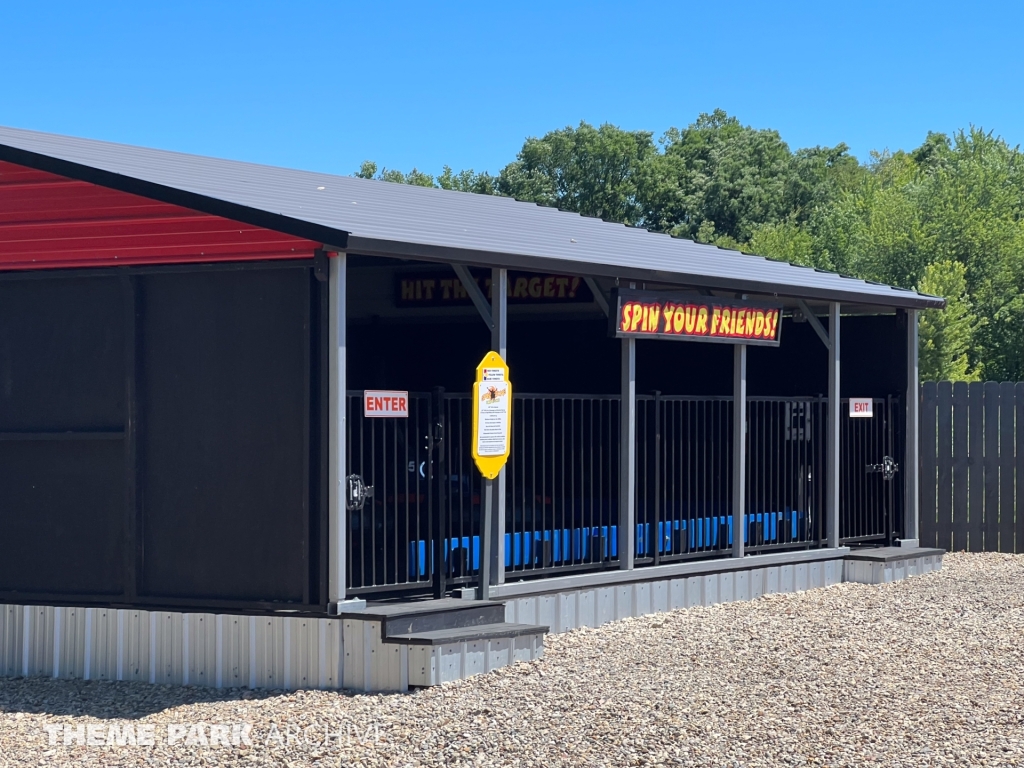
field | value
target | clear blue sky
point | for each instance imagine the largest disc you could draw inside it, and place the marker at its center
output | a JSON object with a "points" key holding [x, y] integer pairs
{"points": [[326, 85]]}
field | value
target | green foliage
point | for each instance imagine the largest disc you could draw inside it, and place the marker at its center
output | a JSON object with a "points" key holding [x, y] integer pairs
{"points": [[947, 336], [740, 178], [463, 181], [787, 241], [601, 172], [734, 176], [947, 217], [467, 181]]}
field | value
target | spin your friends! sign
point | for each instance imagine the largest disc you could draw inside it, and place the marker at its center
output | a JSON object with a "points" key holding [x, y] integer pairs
{"points": [[673, 315]]}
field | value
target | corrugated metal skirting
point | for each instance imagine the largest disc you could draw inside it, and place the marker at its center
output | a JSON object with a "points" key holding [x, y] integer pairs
{"points": [[217, 650], [275, 652]]}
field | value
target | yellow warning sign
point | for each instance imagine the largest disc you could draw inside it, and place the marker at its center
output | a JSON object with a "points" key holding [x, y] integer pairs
{"points": [[492, 415]]}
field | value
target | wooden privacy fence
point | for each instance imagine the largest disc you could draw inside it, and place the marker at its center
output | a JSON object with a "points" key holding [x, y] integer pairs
{"points": [[972, 465]]}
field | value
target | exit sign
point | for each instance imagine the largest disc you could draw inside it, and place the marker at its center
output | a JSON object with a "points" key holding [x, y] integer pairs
{"points": [[860, 408]]}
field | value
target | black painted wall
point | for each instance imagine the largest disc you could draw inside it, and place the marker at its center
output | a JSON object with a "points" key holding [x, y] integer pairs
{"points": [[161, 437], [577, 356]]}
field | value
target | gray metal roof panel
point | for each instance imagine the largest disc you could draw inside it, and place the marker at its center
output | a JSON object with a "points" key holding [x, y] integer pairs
{"points": [[381, 218]]}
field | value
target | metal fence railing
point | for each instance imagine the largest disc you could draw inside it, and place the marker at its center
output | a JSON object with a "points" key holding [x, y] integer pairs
{"points": [[425, 506], [684, 476], [785, 473], [562, 484]]}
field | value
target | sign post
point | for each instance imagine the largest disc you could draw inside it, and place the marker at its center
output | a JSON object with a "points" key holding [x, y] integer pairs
{"points": [[491, 444]]}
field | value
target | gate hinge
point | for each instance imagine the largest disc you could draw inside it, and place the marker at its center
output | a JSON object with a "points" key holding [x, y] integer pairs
{"points": [[358, 492]]}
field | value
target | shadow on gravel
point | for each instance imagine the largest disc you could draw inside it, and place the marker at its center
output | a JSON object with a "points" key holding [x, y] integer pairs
{"points": [[116, 700]]}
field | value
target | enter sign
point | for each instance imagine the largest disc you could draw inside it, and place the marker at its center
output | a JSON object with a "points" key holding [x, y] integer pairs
{"points": [[385, 404]]}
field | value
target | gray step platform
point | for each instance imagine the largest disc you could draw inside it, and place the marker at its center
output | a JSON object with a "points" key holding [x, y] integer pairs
{"points": [[499, 631], [433, 615], [429, 642], [887, 564]]}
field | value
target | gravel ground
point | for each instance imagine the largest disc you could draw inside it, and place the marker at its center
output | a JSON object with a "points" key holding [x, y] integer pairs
{"points": [[928, 671]]}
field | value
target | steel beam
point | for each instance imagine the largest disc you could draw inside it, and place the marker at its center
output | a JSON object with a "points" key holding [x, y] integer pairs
{"points": [[627, 457], [499, 343], [475, 294], [815, 323], [337, 523], [911, 477], [599, 298], [832, 448], [739, 446]]}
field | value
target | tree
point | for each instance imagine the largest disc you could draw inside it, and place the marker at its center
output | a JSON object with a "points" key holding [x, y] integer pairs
{"points": [[467, 181], [972, 203], [787, 241], [740, 178], [947, 336], [463, 181], [601, 172]]}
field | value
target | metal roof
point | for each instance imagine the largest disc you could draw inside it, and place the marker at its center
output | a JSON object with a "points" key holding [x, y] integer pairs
{"points": [[379, 218]]}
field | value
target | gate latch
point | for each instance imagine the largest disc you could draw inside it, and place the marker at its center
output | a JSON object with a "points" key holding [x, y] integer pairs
{"points": [[888, 467], [358, 492]]}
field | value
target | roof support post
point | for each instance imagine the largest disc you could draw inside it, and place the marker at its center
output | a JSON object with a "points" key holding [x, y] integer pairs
{"points": [[337, 523], [912, 437], [492, 535], [739, 447], [832, 449], [627, 456], [475, 294]]}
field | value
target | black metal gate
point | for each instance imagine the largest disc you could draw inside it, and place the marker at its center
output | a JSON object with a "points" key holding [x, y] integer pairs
{"points": [[870, 477], [414, 497]]}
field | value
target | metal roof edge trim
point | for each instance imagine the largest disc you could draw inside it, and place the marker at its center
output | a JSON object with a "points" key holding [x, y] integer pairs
{"points": [[174, 196], [366, 246]]}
